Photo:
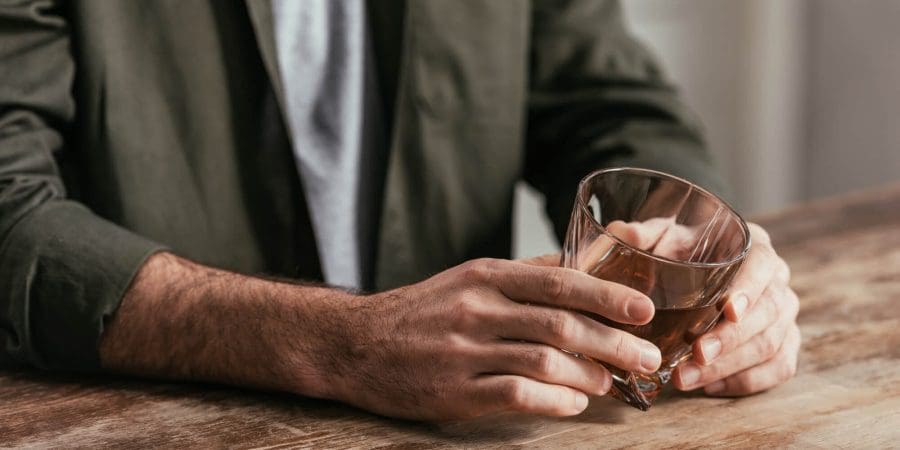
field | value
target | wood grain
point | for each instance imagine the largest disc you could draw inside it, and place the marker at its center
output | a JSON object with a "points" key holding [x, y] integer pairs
{"points": [[845, 256]]}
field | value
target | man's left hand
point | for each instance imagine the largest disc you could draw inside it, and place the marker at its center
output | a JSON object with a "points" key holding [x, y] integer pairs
{"points": [[756, 347]]}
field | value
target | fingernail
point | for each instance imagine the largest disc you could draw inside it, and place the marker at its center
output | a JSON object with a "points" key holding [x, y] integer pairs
{"points": [[605, 385], [689, 375], [714, 388], [738, 305], [710, 347], [581, 401], [640, 310], [650, 357]]}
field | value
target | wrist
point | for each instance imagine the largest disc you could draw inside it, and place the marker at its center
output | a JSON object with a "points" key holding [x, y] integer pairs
{"points": [[304, 339]]}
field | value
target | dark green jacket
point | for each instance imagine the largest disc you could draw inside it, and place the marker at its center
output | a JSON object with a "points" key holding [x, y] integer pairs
{"points": [[130, 126]]}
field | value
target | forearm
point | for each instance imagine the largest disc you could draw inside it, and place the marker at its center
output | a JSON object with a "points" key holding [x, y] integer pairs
{"points": [[186, 321]]}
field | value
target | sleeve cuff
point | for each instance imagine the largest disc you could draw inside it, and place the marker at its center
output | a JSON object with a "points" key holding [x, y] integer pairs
{"points": [[64, 271]]}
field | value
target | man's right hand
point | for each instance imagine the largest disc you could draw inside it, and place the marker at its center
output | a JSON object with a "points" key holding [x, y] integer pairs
{"points": [[484, 337], [478, 338]]}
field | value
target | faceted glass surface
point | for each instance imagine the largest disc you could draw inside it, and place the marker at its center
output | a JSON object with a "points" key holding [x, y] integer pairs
{"points": [[668, 238]]}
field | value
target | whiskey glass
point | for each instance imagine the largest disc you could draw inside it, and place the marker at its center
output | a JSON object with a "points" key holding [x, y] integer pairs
{"points": [[667, 238]]}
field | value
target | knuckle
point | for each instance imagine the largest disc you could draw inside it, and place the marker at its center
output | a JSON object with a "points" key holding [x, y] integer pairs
{"points": [[467, 310], [545, 361], [742, 384], [560, 326], [468, 304], [791, 346], [711, 373], [731, 335], [783, 370], [767, 345], [555, 285], [773, 305], [628, 234], [478, 271], [784, 271], [783, 306], [514, 393], [797, 337], [792, 303], [789, 369], [719, 373], [458, 348], [768, 253]]}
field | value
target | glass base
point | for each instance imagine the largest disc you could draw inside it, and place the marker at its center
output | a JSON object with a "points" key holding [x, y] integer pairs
{"points": [[638, 390]]}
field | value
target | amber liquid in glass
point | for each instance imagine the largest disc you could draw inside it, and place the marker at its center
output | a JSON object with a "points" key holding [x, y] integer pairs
{"points": [[672, 329]]}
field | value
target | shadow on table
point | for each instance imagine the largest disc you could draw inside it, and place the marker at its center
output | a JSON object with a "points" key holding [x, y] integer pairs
{"points": [[251, 415]]}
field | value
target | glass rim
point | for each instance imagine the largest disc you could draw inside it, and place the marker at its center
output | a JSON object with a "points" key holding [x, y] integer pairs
{"points": [[637, 170]]}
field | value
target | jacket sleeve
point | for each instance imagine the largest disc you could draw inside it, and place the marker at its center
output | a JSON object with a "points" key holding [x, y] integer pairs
{"points": [[598, 99], [62, 268]]}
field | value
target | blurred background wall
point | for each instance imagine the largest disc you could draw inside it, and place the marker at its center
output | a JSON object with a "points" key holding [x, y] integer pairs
{"points": [[800, 99]]}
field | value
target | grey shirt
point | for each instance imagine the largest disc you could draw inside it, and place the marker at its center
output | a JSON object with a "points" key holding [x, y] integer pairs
{"points": [[324, 56]]}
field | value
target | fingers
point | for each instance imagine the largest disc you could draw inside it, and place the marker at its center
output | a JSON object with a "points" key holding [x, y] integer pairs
{"points": [[494, 393], [643, 235], [548, 365], [677, 242], [577, 333], [727, 336], [564, 288], [760, 348], [757, 347], [763, 376], [757, 272], [660, 236]]}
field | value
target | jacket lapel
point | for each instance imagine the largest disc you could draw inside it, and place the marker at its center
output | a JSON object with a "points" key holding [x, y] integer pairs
{"points": [[387, 21], [260, 12]]}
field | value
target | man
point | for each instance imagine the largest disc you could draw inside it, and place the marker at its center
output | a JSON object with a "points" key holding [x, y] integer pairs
{"points": [[158, 160]]}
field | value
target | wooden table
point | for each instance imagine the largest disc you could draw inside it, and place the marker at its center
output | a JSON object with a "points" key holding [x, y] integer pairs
{"points": [[845, 254]]}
